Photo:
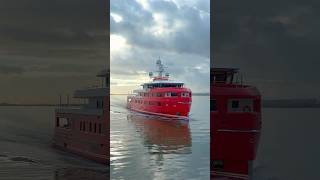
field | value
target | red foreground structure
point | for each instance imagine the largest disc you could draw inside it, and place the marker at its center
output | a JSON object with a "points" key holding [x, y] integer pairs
{"points": [[235, 113], [162, 97], [85, 130]]}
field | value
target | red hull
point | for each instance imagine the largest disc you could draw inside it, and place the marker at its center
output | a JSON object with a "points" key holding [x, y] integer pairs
{"points": [[235, 129], [91, 145], [173, 107]]}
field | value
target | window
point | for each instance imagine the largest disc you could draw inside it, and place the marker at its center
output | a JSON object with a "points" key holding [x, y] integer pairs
{"points": [[185, 94], [95, 127], [174, 94], [159, 103], [240, 105], [80, 125], [90, 127], [167, 94], [63, 122], [235, 104], [213, 105], [158, 94]]}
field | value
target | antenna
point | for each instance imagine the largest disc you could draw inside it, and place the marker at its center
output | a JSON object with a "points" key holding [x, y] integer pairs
{"points": [[160, 67]]}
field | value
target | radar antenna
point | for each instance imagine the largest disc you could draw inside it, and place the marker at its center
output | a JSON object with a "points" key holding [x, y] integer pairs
{"points": [[160, 68]]}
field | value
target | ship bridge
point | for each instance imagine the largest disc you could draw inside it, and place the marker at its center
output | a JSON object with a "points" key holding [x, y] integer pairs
{"points": [[223, 75], [162, 84], [94, 98]]}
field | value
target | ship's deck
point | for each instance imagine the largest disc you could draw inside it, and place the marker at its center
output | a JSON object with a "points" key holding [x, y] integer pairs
{"points": [[84, 111]]}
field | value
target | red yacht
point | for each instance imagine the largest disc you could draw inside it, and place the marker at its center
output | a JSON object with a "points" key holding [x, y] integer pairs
{"points": [[162, 96], [85, 130], [235, 113]]}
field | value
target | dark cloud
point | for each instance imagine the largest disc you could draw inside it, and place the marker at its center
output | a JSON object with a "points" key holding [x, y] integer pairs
{"points": [[275, 43], [137, 24], [44, 39]]}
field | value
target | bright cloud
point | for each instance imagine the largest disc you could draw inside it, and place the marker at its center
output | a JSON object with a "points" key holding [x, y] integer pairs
{"points": [[177, 32]]}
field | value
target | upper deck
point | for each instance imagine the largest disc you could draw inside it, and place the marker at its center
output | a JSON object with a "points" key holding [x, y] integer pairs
{"points": [[95, 99], [228, 82], [223, 75]]}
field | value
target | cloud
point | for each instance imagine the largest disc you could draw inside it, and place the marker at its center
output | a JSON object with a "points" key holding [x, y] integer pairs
{"points": [[176, 31], [60, 41], [270, 43]]}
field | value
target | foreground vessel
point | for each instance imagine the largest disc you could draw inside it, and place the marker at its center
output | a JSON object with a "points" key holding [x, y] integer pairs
{"points": [[235, 113], [85, 130], [162, 96]]}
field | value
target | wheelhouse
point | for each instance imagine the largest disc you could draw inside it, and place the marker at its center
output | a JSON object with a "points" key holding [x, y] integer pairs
{"points": [[162, 85], [224, 75]]}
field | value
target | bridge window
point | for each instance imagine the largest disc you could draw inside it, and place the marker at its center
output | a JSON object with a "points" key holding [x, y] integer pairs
{"points": [[174, 94]]}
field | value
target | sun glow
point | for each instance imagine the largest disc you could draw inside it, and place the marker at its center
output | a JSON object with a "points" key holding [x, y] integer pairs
{"points": [[117, 42]]}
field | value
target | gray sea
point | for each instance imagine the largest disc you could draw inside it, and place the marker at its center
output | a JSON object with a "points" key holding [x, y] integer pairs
{"points": [[150, 147], [289, 147], [146, 147], [26, 153]]}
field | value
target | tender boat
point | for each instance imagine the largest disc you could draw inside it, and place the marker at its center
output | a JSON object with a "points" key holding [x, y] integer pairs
{"points": [[162, 96], [235, 113]]}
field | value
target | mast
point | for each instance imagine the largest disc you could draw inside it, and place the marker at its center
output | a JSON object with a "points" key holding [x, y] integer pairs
{"points": [[104, 74], [160, 68], [161, 71]]}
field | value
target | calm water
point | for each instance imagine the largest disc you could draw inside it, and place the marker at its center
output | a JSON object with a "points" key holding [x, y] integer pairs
{"points": [[26, 152], [149, 147], [289, 147]]}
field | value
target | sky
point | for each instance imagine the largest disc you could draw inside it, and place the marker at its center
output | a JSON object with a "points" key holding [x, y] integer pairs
{"points": [[274, 43], [50, 47], [177, 31]]}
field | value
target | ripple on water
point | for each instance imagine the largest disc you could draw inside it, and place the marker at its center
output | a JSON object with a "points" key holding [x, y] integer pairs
{"points": [[150, 147]]}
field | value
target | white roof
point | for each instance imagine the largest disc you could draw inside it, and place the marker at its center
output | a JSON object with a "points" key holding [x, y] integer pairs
{"points": [[163, 82]]}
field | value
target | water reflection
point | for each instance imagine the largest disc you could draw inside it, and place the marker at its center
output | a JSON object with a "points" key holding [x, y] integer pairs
{"points": [[161, 135]]}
